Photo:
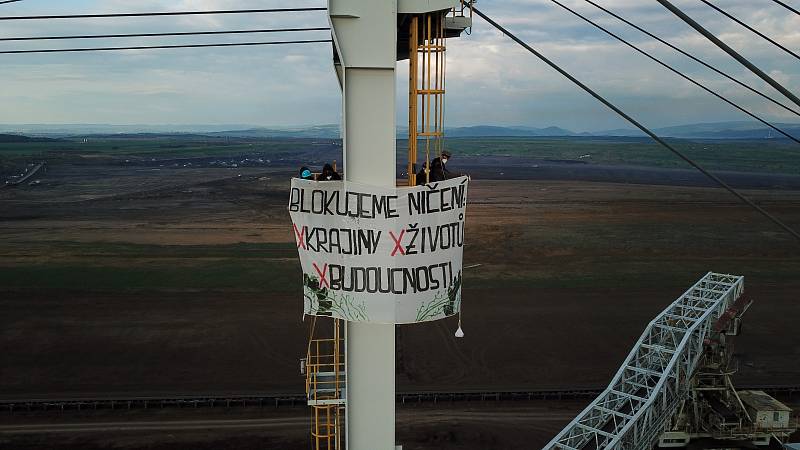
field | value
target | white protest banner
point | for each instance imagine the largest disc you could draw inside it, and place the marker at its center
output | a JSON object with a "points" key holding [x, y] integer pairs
{"points": [[381, 255]]}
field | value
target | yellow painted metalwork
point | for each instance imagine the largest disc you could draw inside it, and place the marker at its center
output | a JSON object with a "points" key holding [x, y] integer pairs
{"points": [[326, 427], [325, 383], [413, 64], [426, 90]]}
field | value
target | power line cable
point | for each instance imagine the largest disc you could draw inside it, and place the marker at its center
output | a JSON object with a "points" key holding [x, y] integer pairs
{"points": [[170, 13], [9, 1], [765, 37], [742, 60], [187, 33], [675, 71], [694, 58], [150, 47], [787, 7], [638, 125]]}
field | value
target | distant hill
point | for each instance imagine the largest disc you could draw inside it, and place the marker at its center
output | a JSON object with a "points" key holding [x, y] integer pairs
{"points": [[333, 132], [17, 138], [487, 130], [37, 129], [243, 131], [714, 130], [318, 131]]}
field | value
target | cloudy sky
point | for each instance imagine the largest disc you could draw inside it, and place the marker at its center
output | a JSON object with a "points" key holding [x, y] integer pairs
{"points": [[490, 79]]}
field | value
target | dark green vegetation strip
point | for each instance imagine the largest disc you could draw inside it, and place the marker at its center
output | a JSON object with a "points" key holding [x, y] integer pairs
{"points": [[770, 156], [285, 277], [128, 250], [163, 147], [773, 156], [639, 252], [104, 266], [227, 274], [631, 273]]}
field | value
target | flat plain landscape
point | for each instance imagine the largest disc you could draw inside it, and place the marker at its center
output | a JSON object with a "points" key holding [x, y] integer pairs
{"points": [[137, 268]]}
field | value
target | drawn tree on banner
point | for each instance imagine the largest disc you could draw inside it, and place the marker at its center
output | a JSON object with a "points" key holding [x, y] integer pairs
{"points": [[325, 302]]}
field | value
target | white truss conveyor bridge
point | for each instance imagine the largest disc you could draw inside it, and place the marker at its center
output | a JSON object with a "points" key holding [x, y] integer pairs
{"points": [[646, 391]]}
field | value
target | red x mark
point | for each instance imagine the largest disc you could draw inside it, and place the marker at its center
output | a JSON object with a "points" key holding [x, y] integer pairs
{"points": [[300, 237], [322, 274], [398, 246]]}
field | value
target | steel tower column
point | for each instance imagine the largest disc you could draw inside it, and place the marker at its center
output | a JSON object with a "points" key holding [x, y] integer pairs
{"points": [[365, 39]]}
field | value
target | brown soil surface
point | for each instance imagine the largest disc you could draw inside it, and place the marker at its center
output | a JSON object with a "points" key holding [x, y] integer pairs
{"points": [[569, 275], [463, 426], [470, 426]]}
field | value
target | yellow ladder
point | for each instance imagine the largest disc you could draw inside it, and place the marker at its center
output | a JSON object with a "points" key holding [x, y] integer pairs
{"points": [[325, 385], [426, 88]]}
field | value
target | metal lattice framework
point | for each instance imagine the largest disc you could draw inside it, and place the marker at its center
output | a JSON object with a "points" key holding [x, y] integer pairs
{"points": [[632, 412]]}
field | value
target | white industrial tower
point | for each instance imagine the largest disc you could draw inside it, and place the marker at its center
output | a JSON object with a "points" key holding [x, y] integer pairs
{"points": [[365, 35]]}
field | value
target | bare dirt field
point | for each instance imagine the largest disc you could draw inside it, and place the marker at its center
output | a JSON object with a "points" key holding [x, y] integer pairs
{"points": [[463, 426], [467, 426], [116, 283]]}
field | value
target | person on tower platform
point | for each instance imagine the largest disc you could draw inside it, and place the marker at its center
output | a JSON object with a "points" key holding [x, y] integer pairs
{"points": [[329, 174], [439, 171], [306, 174]]}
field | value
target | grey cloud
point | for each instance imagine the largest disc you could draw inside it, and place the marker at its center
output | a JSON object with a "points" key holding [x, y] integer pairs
{"points": [[490, 79]]}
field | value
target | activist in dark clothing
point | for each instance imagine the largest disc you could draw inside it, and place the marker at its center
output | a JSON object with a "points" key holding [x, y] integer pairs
{"points": [[306, 174], [438, 171], [328, 174]]}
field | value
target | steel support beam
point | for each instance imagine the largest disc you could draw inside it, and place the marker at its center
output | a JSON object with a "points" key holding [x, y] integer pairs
{"points": [[365, 40]]}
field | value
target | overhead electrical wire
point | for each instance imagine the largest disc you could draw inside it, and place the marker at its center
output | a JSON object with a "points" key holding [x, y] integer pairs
{"points": [[762, 35], [168, 13], [9, 1], [694, 58], [151, 47], [787, 7], [184, 33], [676, 71], [638, 125], [733, 53]]}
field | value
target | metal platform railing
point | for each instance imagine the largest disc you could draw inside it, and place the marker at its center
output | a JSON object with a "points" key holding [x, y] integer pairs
{"points": [[325, 369]]}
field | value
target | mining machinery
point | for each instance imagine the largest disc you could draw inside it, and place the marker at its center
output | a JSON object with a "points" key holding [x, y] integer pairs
{"points": [[674, 389]]}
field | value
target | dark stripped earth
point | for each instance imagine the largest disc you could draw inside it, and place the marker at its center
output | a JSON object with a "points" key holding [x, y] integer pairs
{"points": [[121, 282]]}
